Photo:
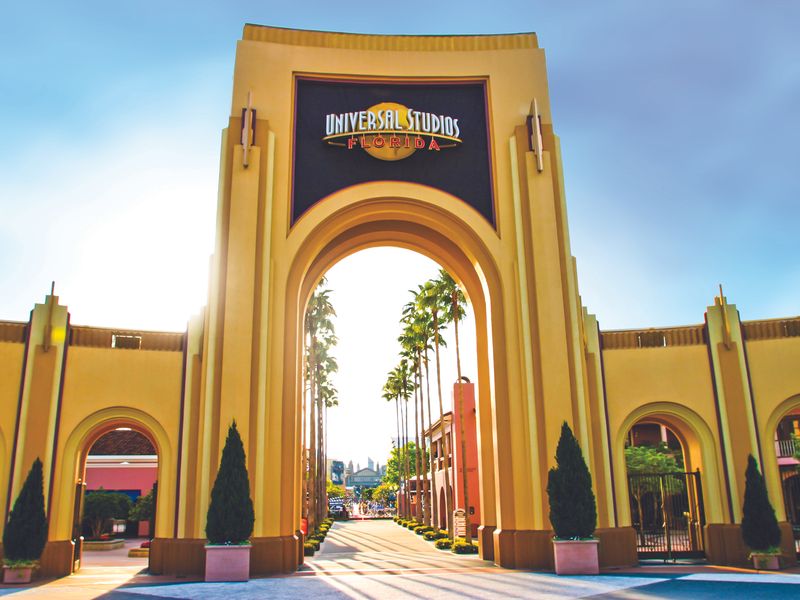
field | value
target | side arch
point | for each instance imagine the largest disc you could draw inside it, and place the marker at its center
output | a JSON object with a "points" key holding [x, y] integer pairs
{"points": [[699, 453], [73, 459], [772, 475]]}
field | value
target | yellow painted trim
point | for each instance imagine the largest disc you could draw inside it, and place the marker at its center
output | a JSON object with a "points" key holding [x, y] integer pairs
{"points": [[210, 354], [194, 344], [357, 41], [263, 337], [524, 303], [714, 339]]}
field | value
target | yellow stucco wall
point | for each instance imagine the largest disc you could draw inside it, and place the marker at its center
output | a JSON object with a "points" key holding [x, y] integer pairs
{"points": [[11, 356], [774, 366], [673, 385], [103, 385]]}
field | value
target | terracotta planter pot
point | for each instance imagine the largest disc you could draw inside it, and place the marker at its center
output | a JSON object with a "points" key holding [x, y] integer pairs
{"points": [[766, 562], [576, 557], [17, 574], [227, 563]]}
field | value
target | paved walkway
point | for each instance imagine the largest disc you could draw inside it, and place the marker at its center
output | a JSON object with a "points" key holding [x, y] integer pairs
{"points": [[367, 560]]}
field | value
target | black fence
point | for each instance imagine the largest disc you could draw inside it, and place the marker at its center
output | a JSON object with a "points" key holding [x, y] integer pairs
{"points": [[668, 515]]}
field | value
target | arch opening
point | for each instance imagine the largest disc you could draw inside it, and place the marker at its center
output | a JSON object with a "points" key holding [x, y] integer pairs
{"points": [[422, 227], [664, 471], [782, 463]]}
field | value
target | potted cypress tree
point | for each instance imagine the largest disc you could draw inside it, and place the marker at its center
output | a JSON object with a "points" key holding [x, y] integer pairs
{"points": [[573, 512], [230, 518], [26, 530], [759, 526]]}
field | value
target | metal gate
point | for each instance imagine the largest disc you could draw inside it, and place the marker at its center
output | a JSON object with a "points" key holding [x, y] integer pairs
{"points": [[668, 515]]}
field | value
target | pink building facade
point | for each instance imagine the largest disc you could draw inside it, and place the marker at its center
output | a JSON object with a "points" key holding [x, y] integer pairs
{"points": [[445, 439]]}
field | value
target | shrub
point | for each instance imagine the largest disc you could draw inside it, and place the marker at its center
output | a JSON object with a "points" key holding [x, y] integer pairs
{"points": [[230, 515], [434, 535], [26, 531], [101, 506], [309, 549], [444, 543], [460, 546], [420, 529], [573, 512], [412, 524], [143, 509], [759, 526]]}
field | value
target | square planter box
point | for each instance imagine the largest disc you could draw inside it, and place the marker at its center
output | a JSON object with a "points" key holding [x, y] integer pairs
{"points": [[17, 574], [766, 562], [576, 557], [227, 563]]}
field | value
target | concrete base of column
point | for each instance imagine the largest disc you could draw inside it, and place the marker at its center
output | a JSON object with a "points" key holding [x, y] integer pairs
{"points": [[533, 549], [269, 555], [486, 541], [300, 554], [57, 558], [724, 545]]}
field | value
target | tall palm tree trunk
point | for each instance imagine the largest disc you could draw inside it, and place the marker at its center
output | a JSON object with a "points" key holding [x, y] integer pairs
{"points": [[399, 478], [304, 449], [434, 491], [426, 507], [417, 493], [312, 447], [447, 483], [467, 528], [408, 459], [320, 460]]}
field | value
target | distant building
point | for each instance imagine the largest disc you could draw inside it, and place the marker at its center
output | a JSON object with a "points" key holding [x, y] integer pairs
{"points": [[364, 478]]}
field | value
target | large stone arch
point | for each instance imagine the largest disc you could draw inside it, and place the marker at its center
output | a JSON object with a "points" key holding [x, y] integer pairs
{"points": [[73, 459], [770, 469], [421, 219], [699, 453]]}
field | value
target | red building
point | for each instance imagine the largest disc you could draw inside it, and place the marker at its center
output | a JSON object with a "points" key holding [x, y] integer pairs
{"points": [[443, 437]]}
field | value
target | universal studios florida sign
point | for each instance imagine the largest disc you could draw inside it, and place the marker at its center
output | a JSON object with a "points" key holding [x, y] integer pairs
{"points": [[391, 131]]}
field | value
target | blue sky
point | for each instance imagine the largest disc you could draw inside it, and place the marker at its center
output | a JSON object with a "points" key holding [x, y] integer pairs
{"points": [[679, 123]]}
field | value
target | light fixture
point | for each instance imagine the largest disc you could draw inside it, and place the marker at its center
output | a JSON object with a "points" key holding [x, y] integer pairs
{"points": [[123, 429], [124, 462]]}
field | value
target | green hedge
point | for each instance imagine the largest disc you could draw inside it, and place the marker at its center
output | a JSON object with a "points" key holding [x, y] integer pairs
{"points": [[460, 546], [444, 543], [309, 549], [419, 530], [433, 534]]}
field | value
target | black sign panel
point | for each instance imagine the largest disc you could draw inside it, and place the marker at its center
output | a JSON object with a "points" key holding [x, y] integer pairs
{"points": [[457, 160]]}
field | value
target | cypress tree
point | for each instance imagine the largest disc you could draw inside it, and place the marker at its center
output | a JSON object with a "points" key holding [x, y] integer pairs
{"points": [[230, 515], [26, 531], [573, 512], [759, 526]]}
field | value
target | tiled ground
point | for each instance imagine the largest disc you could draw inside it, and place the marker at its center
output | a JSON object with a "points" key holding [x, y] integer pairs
{"points": [[379, 560]]}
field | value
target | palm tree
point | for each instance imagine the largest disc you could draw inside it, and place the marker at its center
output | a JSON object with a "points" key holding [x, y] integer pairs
{"points": [[430, 300], [399, 387], [389, 394], [320, 339], [414, 341], [454, 313]]}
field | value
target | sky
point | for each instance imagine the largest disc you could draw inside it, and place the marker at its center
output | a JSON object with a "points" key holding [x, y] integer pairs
{"points": [[678, 120]]}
